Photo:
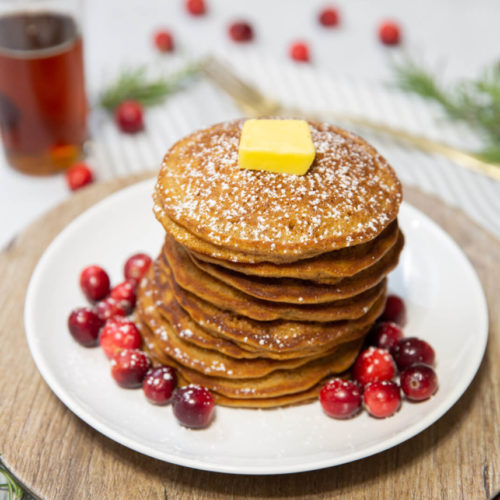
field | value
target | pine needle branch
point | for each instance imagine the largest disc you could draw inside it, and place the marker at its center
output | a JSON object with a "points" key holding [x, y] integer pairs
{"points": [[475, 102], [15, 491], [134, 84]]}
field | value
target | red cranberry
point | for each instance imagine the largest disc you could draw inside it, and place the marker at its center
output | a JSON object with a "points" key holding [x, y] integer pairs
{"points": [[193, 406], [78, 175], [196, 7], [124, 294], [94, 282], [159, 385], [299, 51], [119, 334], [419, 382], [340, 398], [411, 350], [109, 308], [129, 367], [129, 117], [84, 325], [386, 334], [389, 33], [137, 266], [329, 17], [241, 31], [373, 365], [395, 310], [382, 399], [164, 41]]}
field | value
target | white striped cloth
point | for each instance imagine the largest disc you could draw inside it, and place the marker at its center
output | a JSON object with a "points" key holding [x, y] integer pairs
{"points": [[117, 154]]}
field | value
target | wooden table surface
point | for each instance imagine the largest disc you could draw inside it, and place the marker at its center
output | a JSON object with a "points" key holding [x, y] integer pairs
{"points": [[57, 456]]}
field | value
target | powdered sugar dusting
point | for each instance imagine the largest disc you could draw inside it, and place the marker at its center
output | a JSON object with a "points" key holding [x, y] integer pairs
{"points": [[349, 195]]}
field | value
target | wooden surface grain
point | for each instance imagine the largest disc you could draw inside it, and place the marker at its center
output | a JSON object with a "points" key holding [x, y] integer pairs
{"points": [[58, 456]]}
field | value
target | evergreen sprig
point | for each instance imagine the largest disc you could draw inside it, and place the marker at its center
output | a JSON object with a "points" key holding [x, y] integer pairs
{"points": [[15, 491], [475, 102], [135, 84]]}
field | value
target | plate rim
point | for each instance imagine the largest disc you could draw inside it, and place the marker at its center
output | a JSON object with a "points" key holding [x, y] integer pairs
{"points": [[107, 430]]}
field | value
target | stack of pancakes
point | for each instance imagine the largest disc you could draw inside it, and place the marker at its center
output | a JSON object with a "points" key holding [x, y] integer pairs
{"points": [[268, 283]]}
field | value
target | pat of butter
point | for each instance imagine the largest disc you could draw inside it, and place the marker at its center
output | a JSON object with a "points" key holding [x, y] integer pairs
{"points": [[283, 146]]}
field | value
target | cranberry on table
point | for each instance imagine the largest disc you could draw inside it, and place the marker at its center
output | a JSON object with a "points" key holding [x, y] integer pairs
{"points": [[374, 365], [382, 399], [329, 17], [196, 7], [241, 31], [136, 266], [109, 308], [129, 367], [84, 325], [124, 294], [159, 385], [78, 175], [94, 282], [386, 334], [389, 33], [164, 41], [129, 117], [411, 350], [193, 406], [299, 51], [395, 310], [340, 398], [118, 334], [419, 382]]}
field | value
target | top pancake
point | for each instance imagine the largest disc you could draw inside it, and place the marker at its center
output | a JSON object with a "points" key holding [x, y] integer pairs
{"points": [[348, 196]]}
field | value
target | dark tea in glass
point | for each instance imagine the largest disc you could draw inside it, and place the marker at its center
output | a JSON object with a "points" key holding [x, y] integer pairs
{"points": [[43, 104]]}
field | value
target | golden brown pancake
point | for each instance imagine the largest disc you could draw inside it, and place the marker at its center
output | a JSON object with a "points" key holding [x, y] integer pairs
{"points": [[296, 291], [278, 383], [349, 195], [328, 268], [191, 332], [189, 277]]}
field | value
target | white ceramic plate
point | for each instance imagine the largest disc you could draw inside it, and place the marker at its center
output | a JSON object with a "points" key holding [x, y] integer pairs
{"points": [[446, 306]]}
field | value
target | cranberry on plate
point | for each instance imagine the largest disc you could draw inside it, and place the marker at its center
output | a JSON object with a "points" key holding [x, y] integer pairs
{"points": [[159, 385], [386, 334], [419, 382], [136, 266], [395, 310], [193, 406], [340, 398], [94, 282], [110, 308], [124, 294], [382, 399], [118, 334], [411, 350], [129, 367], [196, 7], [374, 365], [84, 325]]}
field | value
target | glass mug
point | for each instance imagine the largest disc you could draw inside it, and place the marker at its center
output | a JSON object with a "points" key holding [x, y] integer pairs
{"points": [[43, 105]]}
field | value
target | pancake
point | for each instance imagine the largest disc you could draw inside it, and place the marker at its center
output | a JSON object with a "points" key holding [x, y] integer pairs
{"points": [[279, 339], [276, 384], [296, 291], [349, 195], [187, 329], [191, 278], [206, 361], [327, 268]]}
